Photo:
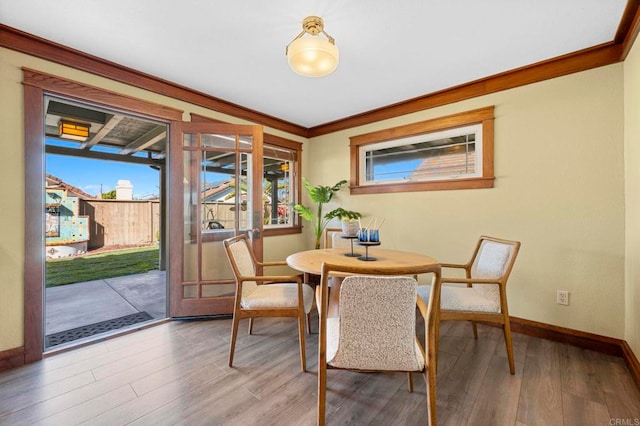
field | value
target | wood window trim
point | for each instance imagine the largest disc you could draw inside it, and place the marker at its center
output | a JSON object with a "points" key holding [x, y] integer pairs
{"points": [[485, 116], [269, 139], [62, 87], [296, 227]]}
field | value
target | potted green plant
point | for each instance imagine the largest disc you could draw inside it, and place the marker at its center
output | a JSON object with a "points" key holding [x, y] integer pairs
{"points": [[349, 220], [320, 195]]}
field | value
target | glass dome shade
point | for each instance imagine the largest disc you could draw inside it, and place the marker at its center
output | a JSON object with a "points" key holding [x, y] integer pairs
{"points": [[312, 56]]}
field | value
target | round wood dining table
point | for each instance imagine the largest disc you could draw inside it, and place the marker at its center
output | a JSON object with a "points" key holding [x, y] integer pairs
{"points": [[310, 262]]}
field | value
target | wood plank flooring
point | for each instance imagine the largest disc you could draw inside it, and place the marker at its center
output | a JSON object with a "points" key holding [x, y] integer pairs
{"points": [[176, 373]]}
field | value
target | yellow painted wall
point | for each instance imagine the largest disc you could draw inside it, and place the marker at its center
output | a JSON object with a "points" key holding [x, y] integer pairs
{"points": [[632, 196], [12, 176], [559, 189], [559, 165], [11, 219]]}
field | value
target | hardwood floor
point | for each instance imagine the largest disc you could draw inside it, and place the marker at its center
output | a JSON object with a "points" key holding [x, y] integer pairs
{"points": [[177, 373]]}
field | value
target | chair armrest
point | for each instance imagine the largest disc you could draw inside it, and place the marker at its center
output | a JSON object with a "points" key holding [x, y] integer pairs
{"points": [[265, 279], [277, 263], [454, 265], [470, 281]]}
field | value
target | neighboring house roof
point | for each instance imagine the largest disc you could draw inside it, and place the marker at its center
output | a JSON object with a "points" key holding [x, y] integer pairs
{"points": [[53, 182], [218, 192]]}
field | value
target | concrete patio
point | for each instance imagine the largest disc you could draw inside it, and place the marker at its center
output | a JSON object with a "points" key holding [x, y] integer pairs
{"points": [[75, 305]]}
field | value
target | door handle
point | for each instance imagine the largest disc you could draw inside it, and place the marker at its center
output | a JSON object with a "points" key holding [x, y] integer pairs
{"points": [[256, 219]]}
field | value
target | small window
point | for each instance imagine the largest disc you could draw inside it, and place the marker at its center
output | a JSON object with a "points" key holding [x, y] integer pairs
{"points": [[452, 152], [281, 175]]}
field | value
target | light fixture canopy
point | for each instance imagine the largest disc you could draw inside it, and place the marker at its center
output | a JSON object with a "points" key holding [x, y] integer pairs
{"points": [[313, 56], [73, 130]]}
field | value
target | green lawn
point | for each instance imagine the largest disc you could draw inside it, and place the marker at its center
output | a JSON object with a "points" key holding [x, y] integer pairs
{"points": [[100, 266]]}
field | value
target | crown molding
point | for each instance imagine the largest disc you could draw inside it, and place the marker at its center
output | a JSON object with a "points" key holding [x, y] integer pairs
{"points": [[597, 56], [29, 44], [629, 27]]}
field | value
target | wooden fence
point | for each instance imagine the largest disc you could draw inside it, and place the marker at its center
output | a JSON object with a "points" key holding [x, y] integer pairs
{"points": [[121, 222], [130, 222]]}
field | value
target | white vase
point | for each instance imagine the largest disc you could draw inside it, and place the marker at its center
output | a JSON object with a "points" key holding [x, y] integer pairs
{"points": [[350, 228]]}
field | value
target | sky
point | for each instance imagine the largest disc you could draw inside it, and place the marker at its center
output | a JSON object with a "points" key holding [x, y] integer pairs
{"points": [[91, 175]]}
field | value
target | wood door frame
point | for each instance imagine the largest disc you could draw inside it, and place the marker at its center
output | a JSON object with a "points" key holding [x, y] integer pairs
{"points": [[37, 85]]}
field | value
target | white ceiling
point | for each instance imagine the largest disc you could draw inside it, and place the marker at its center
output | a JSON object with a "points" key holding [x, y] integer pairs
{"points": [[390, 51]]}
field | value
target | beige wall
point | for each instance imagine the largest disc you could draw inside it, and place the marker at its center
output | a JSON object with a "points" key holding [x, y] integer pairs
{"points": [[632, 196], [559, 189], [12, 174], [11, 219]]}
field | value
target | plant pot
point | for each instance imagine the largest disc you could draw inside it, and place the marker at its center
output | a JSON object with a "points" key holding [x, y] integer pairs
{"points": [[350, 228]]}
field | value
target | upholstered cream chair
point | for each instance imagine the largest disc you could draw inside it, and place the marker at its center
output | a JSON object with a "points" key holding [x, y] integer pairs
{"points": [[484, 294], [375, 329], [333, 239], [258, 295]]}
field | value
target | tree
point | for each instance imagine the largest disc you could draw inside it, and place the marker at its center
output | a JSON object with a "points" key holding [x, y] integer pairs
{"points": [[111, 195]]}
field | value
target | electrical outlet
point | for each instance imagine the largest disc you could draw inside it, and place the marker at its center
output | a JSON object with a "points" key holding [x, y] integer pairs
{"points": [[562, 297]]}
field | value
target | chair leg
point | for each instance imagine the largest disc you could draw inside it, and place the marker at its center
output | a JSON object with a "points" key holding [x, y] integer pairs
{"points": [[430, 379], [436, 344], [507, 340], [430, 372], [410, 379], [309, 323], [322, 393], [303, 355], [234, 333], [475, 330], [250, 326], [431, 368]]}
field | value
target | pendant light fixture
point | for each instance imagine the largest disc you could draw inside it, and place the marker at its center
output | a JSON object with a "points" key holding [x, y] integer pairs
{"points": [[313, 56]]}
